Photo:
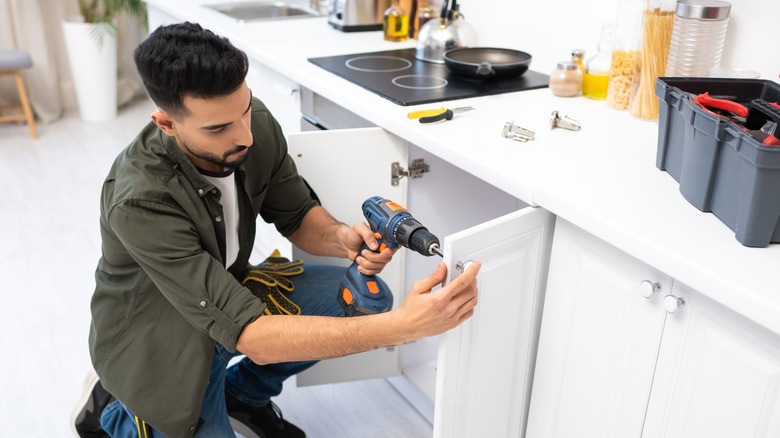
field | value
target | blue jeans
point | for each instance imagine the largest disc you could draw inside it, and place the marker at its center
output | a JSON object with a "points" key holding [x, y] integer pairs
{"points": [[315, 293]]}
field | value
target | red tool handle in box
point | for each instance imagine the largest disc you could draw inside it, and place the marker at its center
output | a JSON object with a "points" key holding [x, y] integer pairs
{"points": [[707, 101]]}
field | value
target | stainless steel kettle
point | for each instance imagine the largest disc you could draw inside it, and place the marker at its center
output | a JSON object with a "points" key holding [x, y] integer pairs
{"points": [[450, 31]]}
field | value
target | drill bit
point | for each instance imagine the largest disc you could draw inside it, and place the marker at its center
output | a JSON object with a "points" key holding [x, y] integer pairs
{"points": [[434, 249]]}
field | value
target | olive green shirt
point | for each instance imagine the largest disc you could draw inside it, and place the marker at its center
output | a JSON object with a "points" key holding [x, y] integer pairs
{"points": [[163, 295]]}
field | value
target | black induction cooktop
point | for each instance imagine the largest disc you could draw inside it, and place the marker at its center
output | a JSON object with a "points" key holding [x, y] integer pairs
{"points": [[399, 77]]}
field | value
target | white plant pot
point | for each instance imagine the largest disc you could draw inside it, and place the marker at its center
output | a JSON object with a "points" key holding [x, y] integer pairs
{"points": [[94, 70]]}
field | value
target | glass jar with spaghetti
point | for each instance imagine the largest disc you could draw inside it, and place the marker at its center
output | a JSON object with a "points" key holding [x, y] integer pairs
{"points": [[657, 25], [625, 55]]}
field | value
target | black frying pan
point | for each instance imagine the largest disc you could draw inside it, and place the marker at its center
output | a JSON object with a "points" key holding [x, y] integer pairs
{"points": [[487, 62]]}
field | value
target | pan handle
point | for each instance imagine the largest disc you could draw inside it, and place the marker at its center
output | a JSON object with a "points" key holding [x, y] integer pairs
{"points": [[485, 69]]}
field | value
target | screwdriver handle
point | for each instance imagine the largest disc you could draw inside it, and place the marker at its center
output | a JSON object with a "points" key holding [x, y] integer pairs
{"points": [[446, 115], [425, 113]]}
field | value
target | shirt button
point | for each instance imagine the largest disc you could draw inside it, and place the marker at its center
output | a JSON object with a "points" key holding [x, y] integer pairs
{"points": [[218, 218], [203, 303], [200, 191]]}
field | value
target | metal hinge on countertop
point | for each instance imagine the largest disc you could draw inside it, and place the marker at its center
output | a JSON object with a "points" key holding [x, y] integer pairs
{"points": [[416, 170]]}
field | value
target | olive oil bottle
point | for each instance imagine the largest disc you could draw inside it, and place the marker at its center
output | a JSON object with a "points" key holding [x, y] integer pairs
{"points": [[396, 23], [596, 79]]}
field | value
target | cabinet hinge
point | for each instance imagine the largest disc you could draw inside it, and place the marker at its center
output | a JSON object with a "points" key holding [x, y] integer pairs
{"points": [[416, 170]]}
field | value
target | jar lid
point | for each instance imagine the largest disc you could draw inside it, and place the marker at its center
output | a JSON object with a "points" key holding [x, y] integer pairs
{"points": [[703, 9], [567, 65]]}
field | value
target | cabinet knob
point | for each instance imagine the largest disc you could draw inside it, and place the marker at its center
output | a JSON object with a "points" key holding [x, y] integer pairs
{"points": [[648, 288], [462, 265], [673, 303]]}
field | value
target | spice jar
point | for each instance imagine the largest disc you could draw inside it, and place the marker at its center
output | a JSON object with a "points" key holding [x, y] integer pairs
{"points": [[628, 38], [566, 80], [657, 24], [698, 37], [422, 15]]}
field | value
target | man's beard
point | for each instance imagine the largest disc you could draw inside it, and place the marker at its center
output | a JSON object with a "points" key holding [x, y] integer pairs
{"points": [[223, 160]]}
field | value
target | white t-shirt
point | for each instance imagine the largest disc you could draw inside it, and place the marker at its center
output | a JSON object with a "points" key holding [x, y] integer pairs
{"points": [[227, 186]]}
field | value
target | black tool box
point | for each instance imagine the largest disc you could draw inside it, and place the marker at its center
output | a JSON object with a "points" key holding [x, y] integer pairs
{"points": [[725, 163]]}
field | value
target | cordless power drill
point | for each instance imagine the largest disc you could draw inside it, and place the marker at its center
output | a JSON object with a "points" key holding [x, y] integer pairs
{"points": [[392, 225]]}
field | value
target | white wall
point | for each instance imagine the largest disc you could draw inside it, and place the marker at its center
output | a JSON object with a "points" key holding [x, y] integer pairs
{"points": [[550, 29]]}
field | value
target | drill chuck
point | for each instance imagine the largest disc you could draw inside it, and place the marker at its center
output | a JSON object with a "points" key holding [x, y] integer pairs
{"points": [[424, 242], [398, 227]]}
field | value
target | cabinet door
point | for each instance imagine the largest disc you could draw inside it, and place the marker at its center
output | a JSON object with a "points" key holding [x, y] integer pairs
{"points": [[486, 364], [279, 94], [718, 375], [598, 343], [345, 167]]}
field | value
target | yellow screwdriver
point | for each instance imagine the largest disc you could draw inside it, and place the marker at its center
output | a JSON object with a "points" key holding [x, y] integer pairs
{"points": [[438, 114]]}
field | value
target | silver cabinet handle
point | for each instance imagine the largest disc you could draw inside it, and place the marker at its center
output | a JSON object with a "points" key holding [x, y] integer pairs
{"points": [[648, 288], [673, 303]]}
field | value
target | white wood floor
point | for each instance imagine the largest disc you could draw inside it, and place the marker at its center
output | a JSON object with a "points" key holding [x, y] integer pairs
{"points": [[49, 247]]}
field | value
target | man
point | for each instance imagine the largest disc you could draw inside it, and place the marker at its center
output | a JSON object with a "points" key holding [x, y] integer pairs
{"points": [[177, 221]]}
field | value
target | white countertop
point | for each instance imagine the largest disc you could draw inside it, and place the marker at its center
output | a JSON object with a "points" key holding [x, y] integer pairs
{"points": [[602, 178]]}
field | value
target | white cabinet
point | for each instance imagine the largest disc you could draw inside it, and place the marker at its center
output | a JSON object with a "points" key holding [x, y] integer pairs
{"points": [[338, 165], [486, 364], [612, 363], [598, 342], [347, 166], [279, 94], [717, 375]]}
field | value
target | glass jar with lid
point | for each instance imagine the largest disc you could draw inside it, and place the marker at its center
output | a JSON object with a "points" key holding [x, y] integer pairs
{"points": [[421, 13], [698, 37], [566, 80], [657, 23], [625, 55]]}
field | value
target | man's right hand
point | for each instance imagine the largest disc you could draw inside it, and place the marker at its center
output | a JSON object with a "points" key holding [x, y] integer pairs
{"points": [[432, 313]]}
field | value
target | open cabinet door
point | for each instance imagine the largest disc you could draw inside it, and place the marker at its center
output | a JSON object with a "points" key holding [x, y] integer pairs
{"points": [[345, 167], [486, 365]]}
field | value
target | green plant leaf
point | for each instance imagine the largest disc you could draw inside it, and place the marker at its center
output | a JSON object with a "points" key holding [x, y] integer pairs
{"points": [[105, 11], [101, 29]]}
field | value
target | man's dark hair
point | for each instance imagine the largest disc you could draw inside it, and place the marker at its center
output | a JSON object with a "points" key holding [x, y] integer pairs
{"points": [[186, 60]]}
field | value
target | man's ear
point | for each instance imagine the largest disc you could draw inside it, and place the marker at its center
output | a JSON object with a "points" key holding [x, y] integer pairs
{"points": [[165, 122]]}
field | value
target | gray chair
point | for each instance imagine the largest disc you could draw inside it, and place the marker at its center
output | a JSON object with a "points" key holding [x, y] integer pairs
{"points": [[12, 62]]}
